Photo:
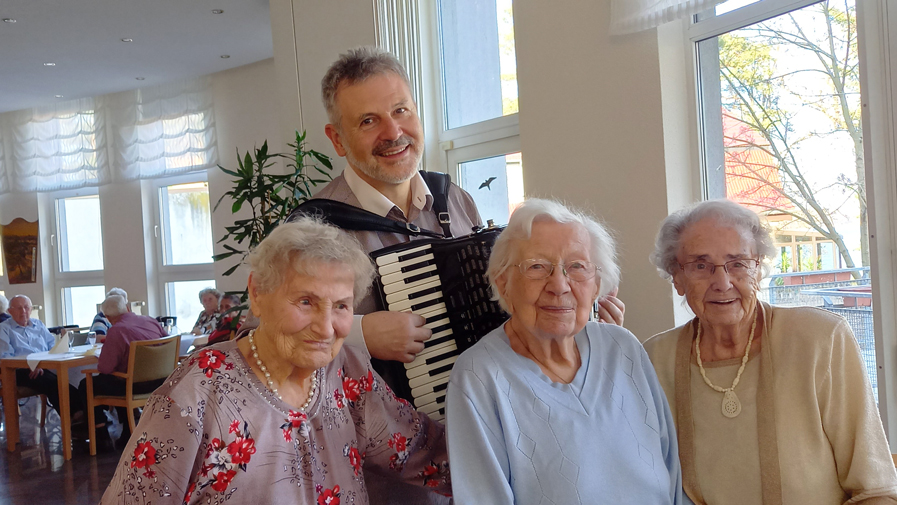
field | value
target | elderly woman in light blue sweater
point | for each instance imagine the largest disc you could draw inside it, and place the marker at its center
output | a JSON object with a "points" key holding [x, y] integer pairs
{"points": [[549, 407]]}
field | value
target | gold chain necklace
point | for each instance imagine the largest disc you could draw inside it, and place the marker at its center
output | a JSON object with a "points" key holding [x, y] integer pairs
{"points": [[731, 405]]}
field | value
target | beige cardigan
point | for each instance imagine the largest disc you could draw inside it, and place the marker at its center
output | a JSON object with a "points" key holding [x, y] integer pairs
{"points": [[809, 431]]}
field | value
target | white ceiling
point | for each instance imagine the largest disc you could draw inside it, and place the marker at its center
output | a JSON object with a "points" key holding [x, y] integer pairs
{"points": [[172, 39]]}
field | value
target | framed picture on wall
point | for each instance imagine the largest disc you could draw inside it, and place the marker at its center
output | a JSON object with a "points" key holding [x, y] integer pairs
{"points": [[20, 250]]}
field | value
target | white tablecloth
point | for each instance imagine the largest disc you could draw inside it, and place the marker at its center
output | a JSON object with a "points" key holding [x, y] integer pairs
{"points": [[75, 374]]}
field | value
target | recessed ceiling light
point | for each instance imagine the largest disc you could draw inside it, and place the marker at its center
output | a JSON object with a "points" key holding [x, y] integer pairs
{"points": [[140, 78], [127, 40], [58, 96], [9, 20], [49, 64], [225, 56], [217, 11]]}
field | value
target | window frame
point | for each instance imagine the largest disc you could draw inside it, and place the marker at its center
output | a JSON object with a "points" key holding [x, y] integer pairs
{"points": [[174, 273], [69, 279], [878, 57]]}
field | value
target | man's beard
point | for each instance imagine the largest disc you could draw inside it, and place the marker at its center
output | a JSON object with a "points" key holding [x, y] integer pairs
{"points": [[375, 171]]}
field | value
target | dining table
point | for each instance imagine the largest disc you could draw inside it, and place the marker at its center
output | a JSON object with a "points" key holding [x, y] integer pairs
{"points": [[66, 366]]}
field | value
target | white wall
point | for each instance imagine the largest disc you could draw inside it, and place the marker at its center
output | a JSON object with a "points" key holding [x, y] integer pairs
{"points": [[246, 113]]}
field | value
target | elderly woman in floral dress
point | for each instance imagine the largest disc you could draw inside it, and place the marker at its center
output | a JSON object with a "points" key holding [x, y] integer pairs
{"points": [[285, 415]]}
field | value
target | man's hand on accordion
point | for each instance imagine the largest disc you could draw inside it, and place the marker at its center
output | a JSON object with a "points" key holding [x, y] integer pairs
{"points": [[394, 336]]}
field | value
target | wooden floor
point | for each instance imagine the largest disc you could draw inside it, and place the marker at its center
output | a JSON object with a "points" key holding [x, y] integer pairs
{"points": [[37, 474]]}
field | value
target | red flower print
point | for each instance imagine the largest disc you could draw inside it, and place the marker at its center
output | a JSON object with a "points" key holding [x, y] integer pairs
{"points": [[222, 480], [339, 398], [356, 459], [210, 360], [398, 442], [295, 420], [234, 427], [287, 435], [228, 366], [189, 492], [351, 389], [329, 496], [144, 455], [241, 450], [367, 383]]}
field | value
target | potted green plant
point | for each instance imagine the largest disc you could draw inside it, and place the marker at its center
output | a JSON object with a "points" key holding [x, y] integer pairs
{"points": [[270, 196]]}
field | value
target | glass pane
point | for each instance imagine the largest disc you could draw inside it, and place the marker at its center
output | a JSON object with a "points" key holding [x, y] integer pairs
{"points": [[782, 113], [496, 185], [80, 234], [79, 303], [183, 301], [188, 224], [479, 62]]}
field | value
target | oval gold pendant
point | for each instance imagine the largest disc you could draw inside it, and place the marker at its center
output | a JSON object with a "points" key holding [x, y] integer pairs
{"points": [[731, 405]]}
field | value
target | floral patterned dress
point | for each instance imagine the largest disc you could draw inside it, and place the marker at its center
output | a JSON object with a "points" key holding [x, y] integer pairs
{"points": [[213, 433], [206, 323]]}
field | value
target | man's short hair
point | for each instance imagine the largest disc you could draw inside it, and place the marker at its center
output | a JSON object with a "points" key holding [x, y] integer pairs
{"points": [[114, 306], [356, 65]]}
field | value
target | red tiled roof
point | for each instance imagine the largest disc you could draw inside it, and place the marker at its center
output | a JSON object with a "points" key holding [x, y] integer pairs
{"points": [[752, 173]]}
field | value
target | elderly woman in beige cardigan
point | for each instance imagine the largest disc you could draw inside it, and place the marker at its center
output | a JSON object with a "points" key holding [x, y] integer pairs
{"points": [[772, 405]]}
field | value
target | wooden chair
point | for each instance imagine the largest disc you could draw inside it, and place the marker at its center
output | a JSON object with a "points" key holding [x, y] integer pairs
{"points": [[147, 360], [24, 392]]}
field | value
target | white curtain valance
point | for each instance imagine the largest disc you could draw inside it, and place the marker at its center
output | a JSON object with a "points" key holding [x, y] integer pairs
{"points": [[629, 16], [60, 146], [164, 130], [151, 132]]}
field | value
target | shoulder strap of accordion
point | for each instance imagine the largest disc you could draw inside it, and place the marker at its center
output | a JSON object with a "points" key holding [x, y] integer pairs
{"points": [[439, 187], [350, 217]]}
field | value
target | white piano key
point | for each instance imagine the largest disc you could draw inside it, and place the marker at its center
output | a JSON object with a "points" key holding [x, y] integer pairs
{"points": [[407, 304], [425, 387], [431, 408], [426, 369], [398, 277], [387, 259], [427, 379], [421, 359], [414, 287], [436, 324], [430, 397], [431, 311], [398, 266]]}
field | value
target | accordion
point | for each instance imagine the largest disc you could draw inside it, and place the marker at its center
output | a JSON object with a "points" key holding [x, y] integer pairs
{"points": [[444, 281]]}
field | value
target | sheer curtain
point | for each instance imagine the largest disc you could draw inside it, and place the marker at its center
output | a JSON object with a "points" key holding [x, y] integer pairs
{"points": [[60, 146], [164, 130], [148, 133], [628, 16]]}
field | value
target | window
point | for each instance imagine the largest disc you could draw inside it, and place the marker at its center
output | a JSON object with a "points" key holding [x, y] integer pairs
{"points": [[184, 251], [80, 304], [462, 63], [186, 223], [182, 300], [80, 234], [781, 113], [78, 248]]}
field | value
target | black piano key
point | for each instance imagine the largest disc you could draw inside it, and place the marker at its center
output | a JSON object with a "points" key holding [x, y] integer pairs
{"points": [[416, 266], [428, 291], [442, 369], [415, 278], [418, 254], [441, 357], [433, 319], [446, 326], [428, 303], [436, 341]]}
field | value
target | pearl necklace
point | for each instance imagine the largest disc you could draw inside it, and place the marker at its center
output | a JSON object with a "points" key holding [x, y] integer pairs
{"points": [[264, 369], [731, 405]]}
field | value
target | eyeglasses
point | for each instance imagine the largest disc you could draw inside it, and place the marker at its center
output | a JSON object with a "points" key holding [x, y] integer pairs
{"points": [[740, 268], [538, 269]]}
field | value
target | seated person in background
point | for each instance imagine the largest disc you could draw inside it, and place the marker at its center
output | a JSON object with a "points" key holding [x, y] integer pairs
{"points": [[101, 324], [208, 318], [126, 328], [549, 407], [21, 335], [229, 324], [4, 306]]}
